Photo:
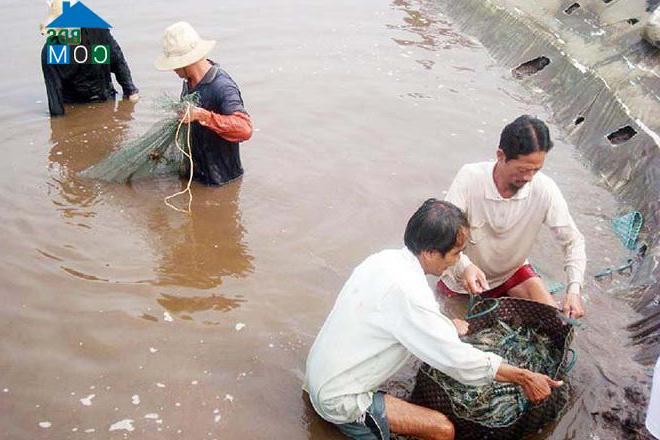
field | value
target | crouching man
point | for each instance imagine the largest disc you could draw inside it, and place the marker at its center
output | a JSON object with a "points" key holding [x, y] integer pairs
{"points": [[387, 312]]}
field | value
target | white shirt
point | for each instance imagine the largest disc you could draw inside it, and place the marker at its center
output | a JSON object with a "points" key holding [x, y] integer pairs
{"points": [[385, 312], [653, 413], [502, 231]]}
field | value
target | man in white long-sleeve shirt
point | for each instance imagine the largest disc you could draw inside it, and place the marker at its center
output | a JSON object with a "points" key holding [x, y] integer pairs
{"points": [[507, 202], [387, 312]]}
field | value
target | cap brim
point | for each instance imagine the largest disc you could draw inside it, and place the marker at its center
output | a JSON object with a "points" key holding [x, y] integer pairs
{"points": [[177, 62]]}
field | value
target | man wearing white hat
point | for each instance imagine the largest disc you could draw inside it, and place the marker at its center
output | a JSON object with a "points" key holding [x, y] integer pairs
{"points": [[220, 122]]}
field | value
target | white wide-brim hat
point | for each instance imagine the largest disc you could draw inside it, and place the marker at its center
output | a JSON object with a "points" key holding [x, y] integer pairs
{"points": [[182, 46]]}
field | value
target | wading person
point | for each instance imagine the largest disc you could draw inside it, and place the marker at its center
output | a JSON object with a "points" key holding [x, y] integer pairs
{"points": [[220, 122], [88, 82], [387, 312], [507, 202]]}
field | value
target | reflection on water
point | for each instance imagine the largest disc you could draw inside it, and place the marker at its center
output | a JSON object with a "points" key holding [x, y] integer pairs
{"points": [[194, 251], [181, 305], [434, 33], [202, 248], [82, 138]]}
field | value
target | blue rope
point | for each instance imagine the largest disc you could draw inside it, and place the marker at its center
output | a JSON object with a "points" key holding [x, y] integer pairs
{"points": [[474, 301], [627, 266], [572, 362]]}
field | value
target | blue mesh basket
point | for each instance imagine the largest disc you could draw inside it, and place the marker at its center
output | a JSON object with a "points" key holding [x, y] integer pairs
{"points": [[627, 228]]}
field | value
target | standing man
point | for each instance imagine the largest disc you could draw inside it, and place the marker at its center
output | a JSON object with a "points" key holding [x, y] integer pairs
{"points": [[506, 202], [220, 122], [80, 83], [387, 312]]}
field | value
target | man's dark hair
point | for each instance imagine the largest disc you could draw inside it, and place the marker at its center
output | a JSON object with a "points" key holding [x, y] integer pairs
{"points": [[524, 136], [436, 226]]}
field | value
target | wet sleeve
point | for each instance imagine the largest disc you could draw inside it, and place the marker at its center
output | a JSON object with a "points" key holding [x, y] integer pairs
{"points": [[432, 337], [53, 82], [236, 127], [119, 67], [563, 228]]}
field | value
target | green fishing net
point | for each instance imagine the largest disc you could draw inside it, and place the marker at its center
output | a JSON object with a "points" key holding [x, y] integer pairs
{"points": [[499, 404], [152, 153], [627, 228]]}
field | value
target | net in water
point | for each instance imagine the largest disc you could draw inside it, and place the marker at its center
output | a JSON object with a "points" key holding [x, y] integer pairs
{"points": [[152, 153]]}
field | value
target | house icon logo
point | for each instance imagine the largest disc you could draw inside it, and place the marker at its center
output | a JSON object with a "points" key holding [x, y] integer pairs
{"points": [[64, 35], [78, 16]]}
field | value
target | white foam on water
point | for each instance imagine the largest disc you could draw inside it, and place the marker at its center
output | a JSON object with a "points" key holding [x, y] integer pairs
{"points": [[229, 397], [87, 401], [45, 425], [239, 326], [152, 416], [160, 385], [123, 425], [90, 430], [153, 350], [135, 400], [167, 317]]}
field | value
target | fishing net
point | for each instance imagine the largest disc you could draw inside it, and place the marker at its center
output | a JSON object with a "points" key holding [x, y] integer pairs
{"points": [[153, 153], [525, 333], [627, 228]]}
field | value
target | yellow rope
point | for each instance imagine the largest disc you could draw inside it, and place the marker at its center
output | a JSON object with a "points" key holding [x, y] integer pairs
{"points": [[188, 154]]}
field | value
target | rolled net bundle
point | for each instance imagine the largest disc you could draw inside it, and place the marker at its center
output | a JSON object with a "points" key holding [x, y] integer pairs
{"points": [[152, 153]]}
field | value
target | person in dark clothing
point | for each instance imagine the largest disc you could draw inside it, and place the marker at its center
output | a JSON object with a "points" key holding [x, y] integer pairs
{"points": [[221, 121], [71, 83]]}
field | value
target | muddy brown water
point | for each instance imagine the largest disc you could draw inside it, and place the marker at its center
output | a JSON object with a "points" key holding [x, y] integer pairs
{"points": [[116, 307]]}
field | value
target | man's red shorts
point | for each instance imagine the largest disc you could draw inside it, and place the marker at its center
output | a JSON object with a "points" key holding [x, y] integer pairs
{"points": [[521, 275]]}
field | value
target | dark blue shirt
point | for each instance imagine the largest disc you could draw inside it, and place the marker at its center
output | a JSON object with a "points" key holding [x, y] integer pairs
{"points": [[216, 160]]}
